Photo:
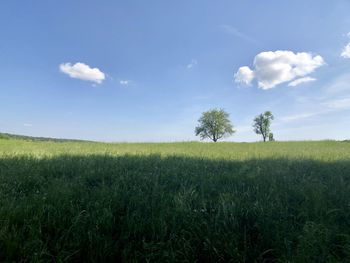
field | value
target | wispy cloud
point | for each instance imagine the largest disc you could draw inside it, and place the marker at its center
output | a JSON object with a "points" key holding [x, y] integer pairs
{"points": [[300, 81], [338, 104], [300, 116], [83, 72], [192, 64], [331, 98], [326, 106], [338, 85], [27, 124], [231, 30], [124, 82]]}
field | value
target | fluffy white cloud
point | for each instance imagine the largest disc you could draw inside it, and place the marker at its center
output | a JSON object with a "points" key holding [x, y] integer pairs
{"points": [[273, 68], [300, 81], [124, 82], [83, 72], [346, 51], [244, 75]]}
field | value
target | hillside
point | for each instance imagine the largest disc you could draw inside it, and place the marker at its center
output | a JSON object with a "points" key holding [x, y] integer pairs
{"points": [[172, 202], [31, 138]]}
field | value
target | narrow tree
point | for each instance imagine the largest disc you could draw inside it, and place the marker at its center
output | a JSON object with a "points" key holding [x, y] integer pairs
{"points": [[262, 124], [214, 125]]}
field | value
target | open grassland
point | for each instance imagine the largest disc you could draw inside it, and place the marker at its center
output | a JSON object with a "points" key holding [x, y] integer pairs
{"points": [[174, 202]]}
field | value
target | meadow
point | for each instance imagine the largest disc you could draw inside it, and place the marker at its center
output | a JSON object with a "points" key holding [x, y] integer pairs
{"points": [[174, 202]]}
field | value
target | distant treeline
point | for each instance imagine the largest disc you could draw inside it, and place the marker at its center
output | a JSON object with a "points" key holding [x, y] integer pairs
{"points": [[30, 138]]}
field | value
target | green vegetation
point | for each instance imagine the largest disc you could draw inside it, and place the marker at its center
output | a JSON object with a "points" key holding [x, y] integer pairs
{"points": [[214, 125], [262, 124], [31, 138], [174, 202]]}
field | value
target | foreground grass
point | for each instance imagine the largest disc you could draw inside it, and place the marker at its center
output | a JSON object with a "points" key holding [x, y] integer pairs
{"points": [[178, 202]]}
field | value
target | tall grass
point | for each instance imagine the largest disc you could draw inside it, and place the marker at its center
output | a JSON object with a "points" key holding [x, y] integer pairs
{"points": [[175, 202]]}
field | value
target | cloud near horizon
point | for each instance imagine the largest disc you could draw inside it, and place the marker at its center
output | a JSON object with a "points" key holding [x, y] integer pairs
{"points": [[83, 72], [272, 68]]}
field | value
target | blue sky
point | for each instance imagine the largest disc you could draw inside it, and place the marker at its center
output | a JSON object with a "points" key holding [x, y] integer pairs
{"points": [[145, 70]]}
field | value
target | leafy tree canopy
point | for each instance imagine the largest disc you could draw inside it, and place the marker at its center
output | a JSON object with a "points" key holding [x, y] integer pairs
{"points": [[214, 125], [262, 124]]}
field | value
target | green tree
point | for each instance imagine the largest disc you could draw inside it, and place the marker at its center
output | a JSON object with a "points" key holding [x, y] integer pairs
{"points": [[214, 125], [271, 138], [262, 124]]}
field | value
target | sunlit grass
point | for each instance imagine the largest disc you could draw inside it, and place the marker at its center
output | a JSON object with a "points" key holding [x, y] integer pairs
{"points": [[177, 202]]}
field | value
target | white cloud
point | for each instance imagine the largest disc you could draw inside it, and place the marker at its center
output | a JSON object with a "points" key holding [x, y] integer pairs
{"points": [[192, 64], [273, 68], [83, 72], [300, 81], [244, 75], [124, 82], [346, 51], [27, 124]]}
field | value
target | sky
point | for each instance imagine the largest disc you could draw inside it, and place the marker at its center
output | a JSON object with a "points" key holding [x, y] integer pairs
{"points": [[137, 71]]}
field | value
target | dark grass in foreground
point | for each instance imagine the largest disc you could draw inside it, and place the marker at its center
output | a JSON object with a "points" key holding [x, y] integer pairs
{"points": [[102, 208]]}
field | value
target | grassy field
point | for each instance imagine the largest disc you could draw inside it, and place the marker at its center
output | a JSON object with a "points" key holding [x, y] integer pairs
{"points": [[174, 202]]}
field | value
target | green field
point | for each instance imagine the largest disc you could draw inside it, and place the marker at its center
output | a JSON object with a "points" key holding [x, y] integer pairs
{"points": [[174, 202]]}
